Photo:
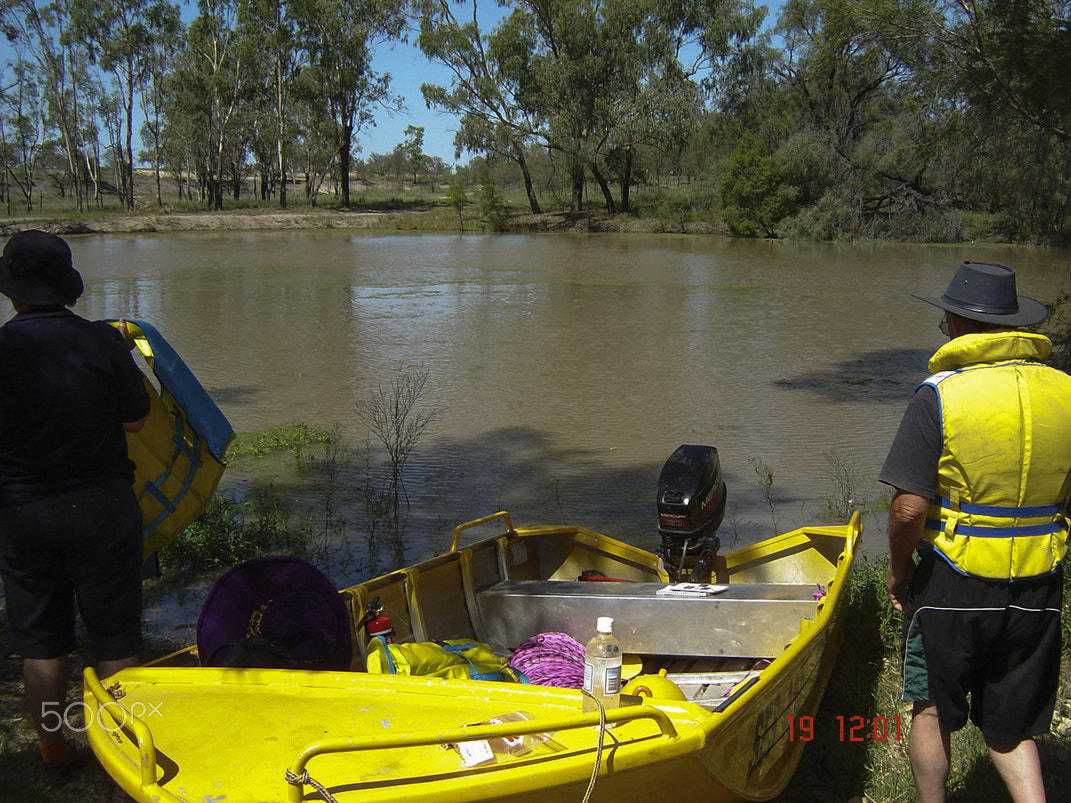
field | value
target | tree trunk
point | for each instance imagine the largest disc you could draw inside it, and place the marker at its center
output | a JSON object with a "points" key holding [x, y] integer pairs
{"points": [[626, 180], [518, 156], [611, 207], [128, 157], [577, 175], [344, 162], [280, 135]]}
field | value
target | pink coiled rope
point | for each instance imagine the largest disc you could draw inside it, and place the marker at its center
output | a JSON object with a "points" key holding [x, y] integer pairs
{"points": [[550, 659]]}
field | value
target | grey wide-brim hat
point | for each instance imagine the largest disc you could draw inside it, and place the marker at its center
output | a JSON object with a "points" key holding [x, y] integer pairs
{"points": [[36, 269], [985, 291]]}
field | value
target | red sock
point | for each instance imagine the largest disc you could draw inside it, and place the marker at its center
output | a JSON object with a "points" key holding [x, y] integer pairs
{"points": [[56, 751]]}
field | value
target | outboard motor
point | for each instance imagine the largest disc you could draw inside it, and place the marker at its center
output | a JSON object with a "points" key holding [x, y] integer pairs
{"points": [[691, 506]]}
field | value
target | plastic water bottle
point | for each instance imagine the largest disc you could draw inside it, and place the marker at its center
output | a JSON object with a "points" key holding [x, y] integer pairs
{"points": [[602, 667]]}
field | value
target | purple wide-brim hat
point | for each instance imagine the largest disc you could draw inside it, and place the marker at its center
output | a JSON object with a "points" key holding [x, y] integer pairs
{"points": [[283, 599]]}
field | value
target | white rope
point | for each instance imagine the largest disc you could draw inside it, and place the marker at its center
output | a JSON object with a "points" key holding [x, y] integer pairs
{"points": [[598, 749]]}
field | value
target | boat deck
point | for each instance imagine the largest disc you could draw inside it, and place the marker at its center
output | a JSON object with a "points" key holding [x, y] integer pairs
{"points": [[338, 720]]}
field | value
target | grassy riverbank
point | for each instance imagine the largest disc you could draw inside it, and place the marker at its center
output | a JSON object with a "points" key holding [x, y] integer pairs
{"points": [[687, 208], [433, 216], [374, 206], [867, 683]]}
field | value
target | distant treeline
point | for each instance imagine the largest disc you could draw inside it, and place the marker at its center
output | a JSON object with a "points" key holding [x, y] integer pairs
{"points": [[840, 119]]}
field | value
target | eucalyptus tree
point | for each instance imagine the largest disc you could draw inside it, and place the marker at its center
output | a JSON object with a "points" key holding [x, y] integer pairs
{"points": [[262, 138], [154, 97], [587, 63], [339, 38], [22, 130], [863, 144], [208, 86], [594, 81], [184, 140], [316, 133], [484, 88], [1008, 57], [123, 36], [40, 30], [611, 77], [712, 56], [837, 66], [1004, 64], [271, 28], [413, 148]]}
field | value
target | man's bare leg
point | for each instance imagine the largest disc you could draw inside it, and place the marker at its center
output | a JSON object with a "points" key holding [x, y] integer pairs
{"points": [[106, 669], [930, 749], [46, 680], [1020, 767]]}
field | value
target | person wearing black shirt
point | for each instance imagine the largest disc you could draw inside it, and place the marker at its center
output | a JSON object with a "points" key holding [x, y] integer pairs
{"points": [[70, 527]]}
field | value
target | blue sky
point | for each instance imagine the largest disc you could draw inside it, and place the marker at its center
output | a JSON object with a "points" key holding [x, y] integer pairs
{"points": [[409, 68]]}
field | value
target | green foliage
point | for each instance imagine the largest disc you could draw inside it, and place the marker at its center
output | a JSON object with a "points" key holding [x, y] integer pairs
{"points": [[920, 120], [852, 488], [294, 437], [682, 210], [753, 190], [858, 687], [1058, 329], [494, 210], [234, 530], [867, 682], [458, 198], [831, 219]]}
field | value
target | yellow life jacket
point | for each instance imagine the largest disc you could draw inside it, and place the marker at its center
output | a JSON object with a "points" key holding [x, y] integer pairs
{"points": [[1005, 467], [452, 658]]}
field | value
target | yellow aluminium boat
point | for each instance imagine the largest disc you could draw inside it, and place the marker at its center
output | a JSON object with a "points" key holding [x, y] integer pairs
{"points": [[742, 666]]}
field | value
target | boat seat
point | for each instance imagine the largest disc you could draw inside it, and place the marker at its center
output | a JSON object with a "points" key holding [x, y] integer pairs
{"points": [[750, 619]]}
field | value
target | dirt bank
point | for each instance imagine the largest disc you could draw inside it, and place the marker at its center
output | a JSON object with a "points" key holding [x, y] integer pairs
{"points": [[201, 221], [419, 219]]}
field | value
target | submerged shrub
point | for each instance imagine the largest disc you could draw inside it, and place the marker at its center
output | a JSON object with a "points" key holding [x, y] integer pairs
{"points": [[293, 437], [234, 530]]}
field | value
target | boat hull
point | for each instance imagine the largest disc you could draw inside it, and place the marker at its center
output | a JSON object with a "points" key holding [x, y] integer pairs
{"points": [[195, 733]]}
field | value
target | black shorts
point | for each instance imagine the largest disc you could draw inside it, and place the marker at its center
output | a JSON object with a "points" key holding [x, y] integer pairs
{"points": [[998, 643], [83, 544]]}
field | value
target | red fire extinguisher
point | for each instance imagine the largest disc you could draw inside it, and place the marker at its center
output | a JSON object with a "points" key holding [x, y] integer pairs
{"points": [[378, 623]]}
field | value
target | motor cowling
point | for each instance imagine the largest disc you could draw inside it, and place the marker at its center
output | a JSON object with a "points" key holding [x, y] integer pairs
{"points": [[691, 507]]}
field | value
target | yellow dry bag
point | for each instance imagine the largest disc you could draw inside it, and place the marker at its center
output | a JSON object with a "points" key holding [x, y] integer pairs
{"points": [[178, 454]]}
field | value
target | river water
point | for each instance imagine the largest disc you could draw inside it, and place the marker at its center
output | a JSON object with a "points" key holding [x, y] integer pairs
{"points": [[565, 368]]}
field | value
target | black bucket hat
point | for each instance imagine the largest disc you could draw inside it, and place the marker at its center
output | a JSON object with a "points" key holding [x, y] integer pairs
{"points": [[36, 270], [985, 291]]}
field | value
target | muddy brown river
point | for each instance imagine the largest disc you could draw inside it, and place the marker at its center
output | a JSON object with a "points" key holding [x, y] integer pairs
{"points": [[566, 368]]}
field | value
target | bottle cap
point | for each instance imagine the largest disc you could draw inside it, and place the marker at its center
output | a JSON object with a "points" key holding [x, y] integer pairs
{"points": [[604, 624]]}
